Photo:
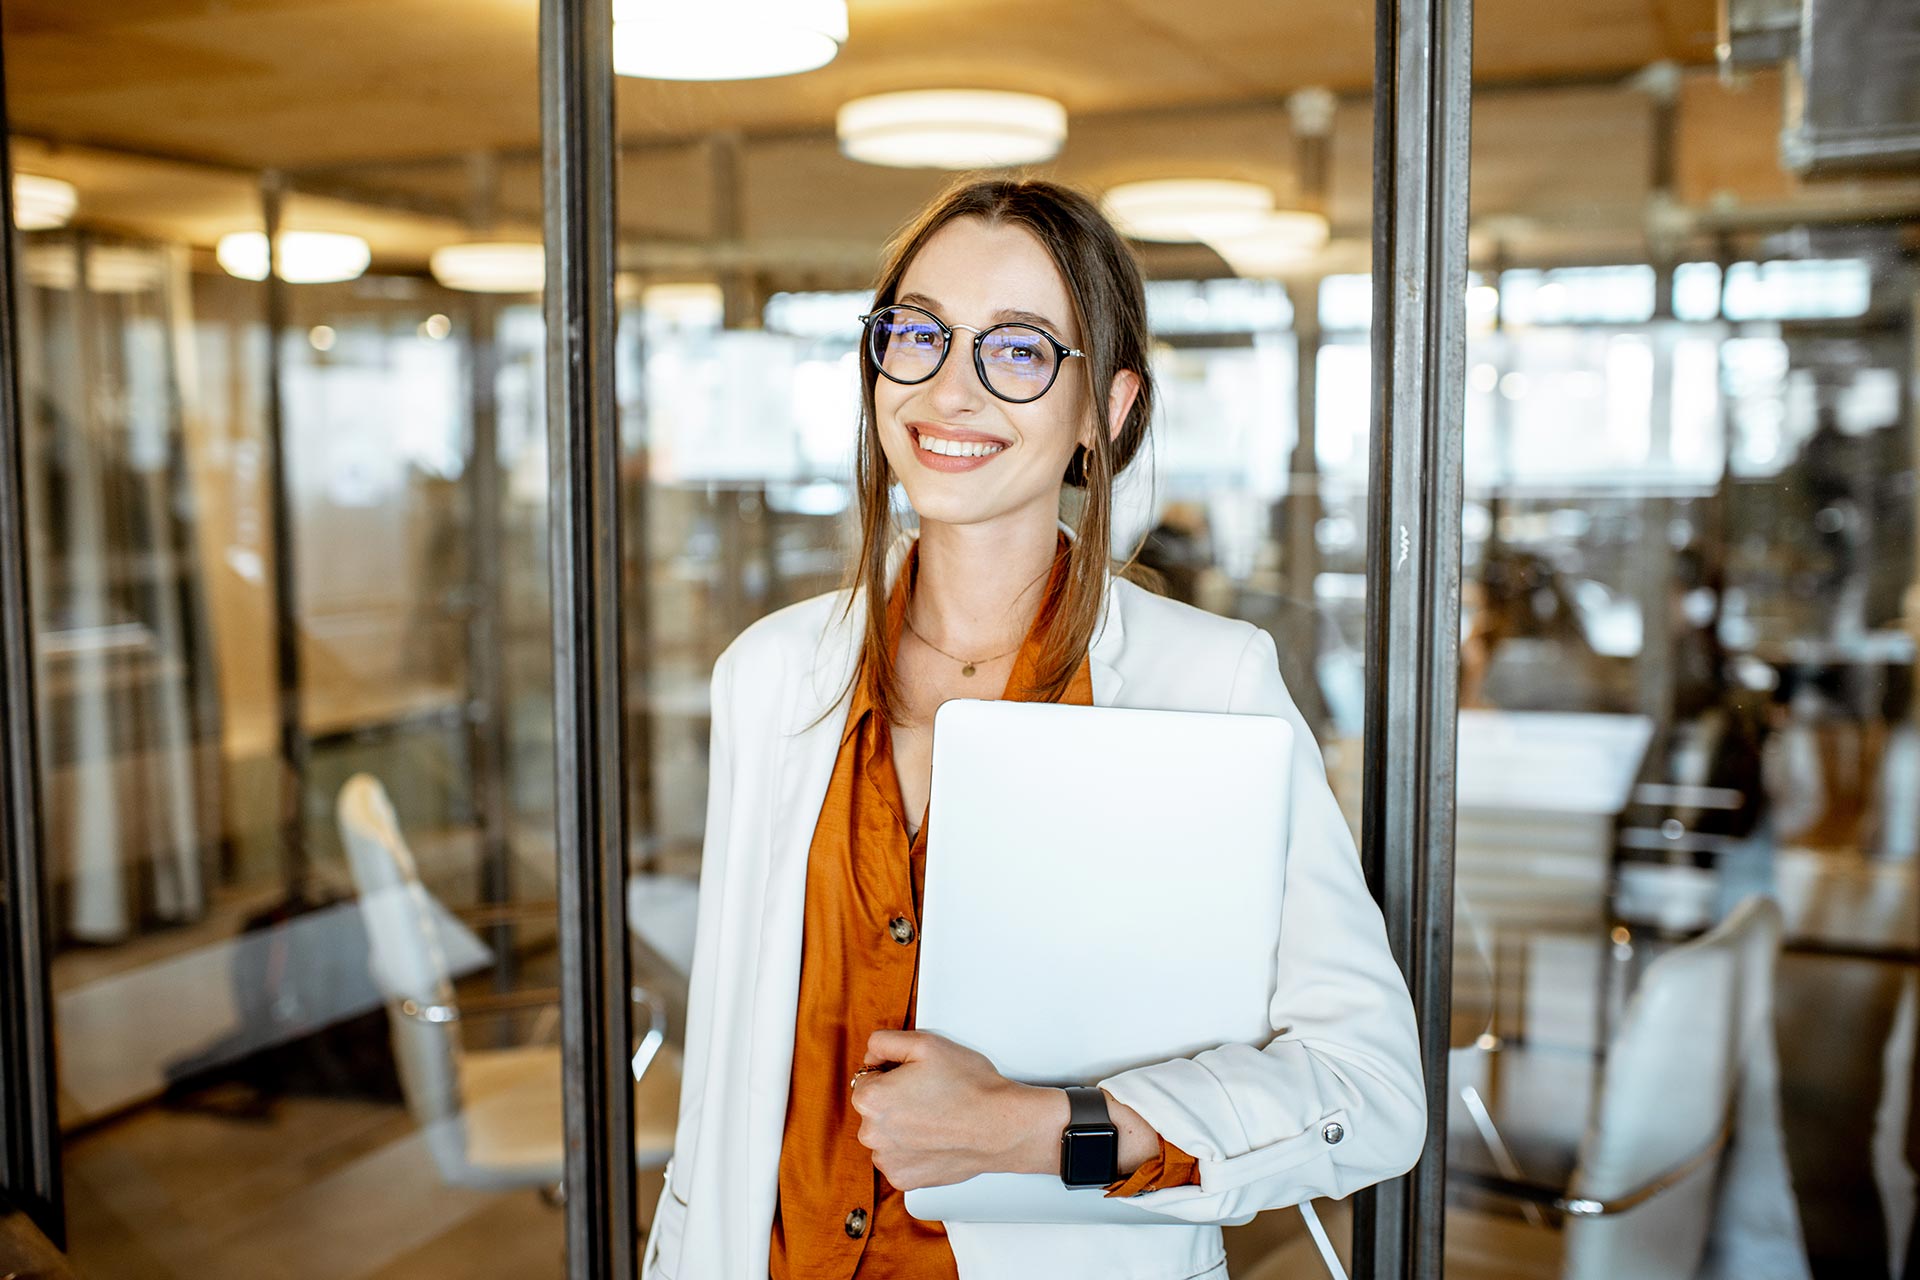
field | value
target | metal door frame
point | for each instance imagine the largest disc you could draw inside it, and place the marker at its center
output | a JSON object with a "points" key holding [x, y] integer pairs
{"points": [[29, 1123], [584, 519], [1422, 95]]}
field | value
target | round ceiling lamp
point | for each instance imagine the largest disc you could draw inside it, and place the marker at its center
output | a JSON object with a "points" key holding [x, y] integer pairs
{"points": [[305, 257], [498, 266], [951, 129], [41, 204], [725, 39], [1184, 209], [1278, 244]]}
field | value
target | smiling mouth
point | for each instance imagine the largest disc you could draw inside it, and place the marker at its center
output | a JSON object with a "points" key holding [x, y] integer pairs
{"points": [[955, 448]]}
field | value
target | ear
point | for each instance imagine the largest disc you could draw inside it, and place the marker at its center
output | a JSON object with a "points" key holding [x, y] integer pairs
{"points": [[1120, 397]]}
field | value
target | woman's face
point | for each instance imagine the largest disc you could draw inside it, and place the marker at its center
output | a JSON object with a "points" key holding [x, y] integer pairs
{"points": [[971, 273]]}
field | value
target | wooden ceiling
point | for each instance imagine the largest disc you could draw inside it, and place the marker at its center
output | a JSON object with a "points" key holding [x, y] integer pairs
{"points": [[164, 112], [303, 83]]}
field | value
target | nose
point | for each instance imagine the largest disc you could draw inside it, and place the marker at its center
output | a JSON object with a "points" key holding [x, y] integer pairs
{"points": [[957, 389]]}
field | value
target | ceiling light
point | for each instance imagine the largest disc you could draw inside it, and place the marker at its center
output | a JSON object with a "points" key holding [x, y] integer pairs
{"points": [[305, 257], [491, 267], [40, 204], [952, 129], [1280, 242], [1189, 208], [725, 39]]}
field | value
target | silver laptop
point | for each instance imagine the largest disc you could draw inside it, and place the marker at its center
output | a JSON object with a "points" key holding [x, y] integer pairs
{"points": [[1102, 891]]}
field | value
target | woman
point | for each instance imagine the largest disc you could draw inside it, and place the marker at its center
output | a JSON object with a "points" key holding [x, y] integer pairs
{"points": [[1005, 358]]}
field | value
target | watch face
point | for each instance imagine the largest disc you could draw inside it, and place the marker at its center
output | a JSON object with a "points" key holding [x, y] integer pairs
{"points": [[1090, 1157]]}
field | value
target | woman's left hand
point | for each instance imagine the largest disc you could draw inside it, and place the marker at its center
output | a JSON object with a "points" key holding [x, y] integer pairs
{"points": [[943, 1114]]}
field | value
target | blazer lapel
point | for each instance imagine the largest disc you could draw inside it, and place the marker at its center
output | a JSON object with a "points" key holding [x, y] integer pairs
{"points": [[1103, 654]]}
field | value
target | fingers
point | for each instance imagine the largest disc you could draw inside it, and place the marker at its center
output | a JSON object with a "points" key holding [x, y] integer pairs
{"points": [[896, 1046]]}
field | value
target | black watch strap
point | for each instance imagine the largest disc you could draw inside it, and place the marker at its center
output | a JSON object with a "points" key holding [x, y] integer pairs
{"points": [[1090, 1143], [1087, 1106]]}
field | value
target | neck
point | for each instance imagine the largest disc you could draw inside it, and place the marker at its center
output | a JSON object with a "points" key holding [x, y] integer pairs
{"points": [[980, 585]]}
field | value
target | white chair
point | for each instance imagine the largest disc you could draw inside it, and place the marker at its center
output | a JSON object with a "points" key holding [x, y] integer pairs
{"points": [[491, 1117], [1756, 1228], [1641, 1201], [1685, 1074]]}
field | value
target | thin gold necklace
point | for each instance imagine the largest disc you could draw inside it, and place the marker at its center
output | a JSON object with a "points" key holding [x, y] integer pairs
{"points": [[966, 667]]}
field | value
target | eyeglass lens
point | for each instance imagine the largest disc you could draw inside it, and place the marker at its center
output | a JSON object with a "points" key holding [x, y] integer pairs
{"points": [[1019, 361]]}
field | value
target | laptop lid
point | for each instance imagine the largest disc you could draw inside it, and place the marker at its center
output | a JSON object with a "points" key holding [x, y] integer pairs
{"points": [[1103, 891]]}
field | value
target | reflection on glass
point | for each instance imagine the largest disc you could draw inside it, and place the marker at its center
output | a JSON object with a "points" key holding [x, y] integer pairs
{"points": [[1687, 641], [1687, 782], [326, 1048]]}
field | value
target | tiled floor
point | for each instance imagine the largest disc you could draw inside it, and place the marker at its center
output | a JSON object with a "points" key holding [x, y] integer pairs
{"points": [[316, 1188]]}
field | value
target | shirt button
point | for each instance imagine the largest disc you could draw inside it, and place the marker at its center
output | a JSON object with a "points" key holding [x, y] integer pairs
{"points": [[1333, 1133], [902, 930], [857, 1223]]}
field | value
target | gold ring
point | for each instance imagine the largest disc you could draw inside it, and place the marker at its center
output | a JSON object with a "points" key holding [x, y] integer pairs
{"points": [[864, 1071]]}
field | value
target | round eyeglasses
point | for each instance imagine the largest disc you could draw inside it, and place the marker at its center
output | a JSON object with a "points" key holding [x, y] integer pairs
{"points": [[1016, 362]]}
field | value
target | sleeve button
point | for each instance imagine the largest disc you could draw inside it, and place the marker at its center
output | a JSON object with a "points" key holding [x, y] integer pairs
{"points": [[1333, 1133]]}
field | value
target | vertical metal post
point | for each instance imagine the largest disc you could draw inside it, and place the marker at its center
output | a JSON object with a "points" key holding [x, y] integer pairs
{"points": [[644, 823], [1422, 88], [29, 1139], [487, 740], [1910, 602], [1300, 566], [577, 145], [294, 748]]}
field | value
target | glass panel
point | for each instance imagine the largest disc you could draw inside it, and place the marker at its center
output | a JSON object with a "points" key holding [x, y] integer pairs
{"points": [[324, 1048], [753, 239], [1686, 691]]}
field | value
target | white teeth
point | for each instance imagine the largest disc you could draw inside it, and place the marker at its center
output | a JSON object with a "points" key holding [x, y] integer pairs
{"points": [[959, 448]]}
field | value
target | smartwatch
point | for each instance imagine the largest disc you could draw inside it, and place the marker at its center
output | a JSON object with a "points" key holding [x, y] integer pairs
{"points": [[1090, 1144]]}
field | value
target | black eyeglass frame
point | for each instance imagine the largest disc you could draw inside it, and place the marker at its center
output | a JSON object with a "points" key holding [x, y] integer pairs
{"points": [[1061, 351]]}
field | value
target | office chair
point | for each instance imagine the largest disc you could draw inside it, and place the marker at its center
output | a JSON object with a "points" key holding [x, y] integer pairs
{"points": [[491, 1117]]}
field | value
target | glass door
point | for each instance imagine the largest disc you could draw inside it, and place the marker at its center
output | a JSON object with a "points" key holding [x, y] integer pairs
{"points": [[284, 516], [1685, 920]]}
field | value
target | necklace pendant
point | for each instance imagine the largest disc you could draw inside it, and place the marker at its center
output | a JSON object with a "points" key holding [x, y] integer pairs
{"points": [[967, 670]]}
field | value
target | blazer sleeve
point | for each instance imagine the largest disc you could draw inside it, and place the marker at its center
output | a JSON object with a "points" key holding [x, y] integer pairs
{"points": [[1335, 1101], [712, 898]]}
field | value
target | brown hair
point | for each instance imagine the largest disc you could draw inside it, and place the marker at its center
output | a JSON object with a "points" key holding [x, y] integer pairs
{"points": [[1109, 305]]}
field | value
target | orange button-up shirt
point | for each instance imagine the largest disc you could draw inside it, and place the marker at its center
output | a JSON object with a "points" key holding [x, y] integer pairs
{"points": [[837, 1216]]}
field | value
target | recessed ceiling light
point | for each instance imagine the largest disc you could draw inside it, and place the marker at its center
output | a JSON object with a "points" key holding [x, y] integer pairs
{"points": [[725, 39], [1183, 209], [498, 266], [952, 129], [305, 257], [40, 204]]}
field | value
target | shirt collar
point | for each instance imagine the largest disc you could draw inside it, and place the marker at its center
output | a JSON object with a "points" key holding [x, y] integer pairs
{"points": [[1019, 681]]}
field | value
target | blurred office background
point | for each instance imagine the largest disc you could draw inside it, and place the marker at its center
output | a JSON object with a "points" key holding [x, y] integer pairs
{"points": [[301, 851]]}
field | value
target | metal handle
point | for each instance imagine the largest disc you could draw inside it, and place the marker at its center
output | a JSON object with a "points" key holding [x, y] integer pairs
{"points": [[656, 1030]]}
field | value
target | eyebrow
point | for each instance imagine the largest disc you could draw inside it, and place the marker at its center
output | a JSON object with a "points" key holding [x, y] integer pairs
{"points": [[1005, 313]]}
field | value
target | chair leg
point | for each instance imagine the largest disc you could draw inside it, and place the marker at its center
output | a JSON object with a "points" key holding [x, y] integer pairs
{"points": [[1497, 1147]]}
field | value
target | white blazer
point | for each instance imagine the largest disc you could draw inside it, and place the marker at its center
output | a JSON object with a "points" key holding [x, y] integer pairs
{"points": [[1332, 1103]]}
